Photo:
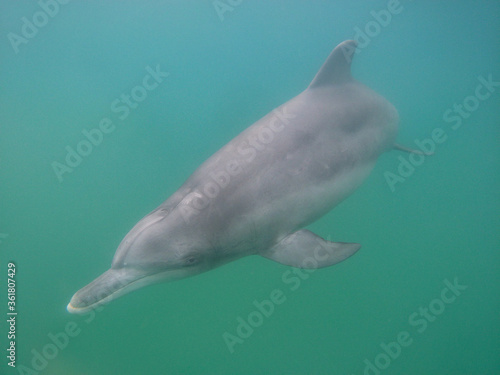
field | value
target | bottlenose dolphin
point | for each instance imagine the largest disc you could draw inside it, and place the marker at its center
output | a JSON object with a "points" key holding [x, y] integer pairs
{"points": [[253, 196]]}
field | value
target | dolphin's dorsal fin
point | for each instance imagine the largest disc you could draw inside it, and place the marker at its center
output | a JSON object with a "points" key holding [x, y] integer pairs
{"points": [[337, 67]]}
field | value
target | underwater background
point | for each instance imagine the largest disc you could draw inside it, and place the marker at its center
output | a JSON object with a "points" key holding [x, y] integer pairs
{"points": [[420, 297]]}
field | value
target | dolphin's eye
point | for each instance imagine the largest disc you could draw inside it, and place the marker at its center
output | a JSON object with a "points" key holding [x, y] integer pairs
{"points": [[190, 260]]}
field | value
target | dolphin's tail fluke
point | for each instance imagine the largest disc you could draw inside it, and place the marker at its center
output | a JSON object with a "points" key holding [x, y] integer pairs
{"points": [[411, 151]]}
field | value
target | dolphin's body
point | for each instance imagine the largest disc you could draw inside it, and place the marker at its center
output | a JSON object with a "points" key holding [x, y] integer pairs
{"points": [[255, 194]]}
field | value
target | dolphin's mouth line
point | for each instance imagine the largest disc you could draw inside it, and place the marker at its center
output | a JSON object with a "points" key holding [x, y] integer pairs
{"points": [[124, 289], [100, 302]]}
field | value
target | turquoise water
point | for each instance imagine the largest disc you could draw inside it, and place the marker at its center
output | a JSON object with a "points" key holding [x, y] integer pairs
{"points": [[420, 297]]}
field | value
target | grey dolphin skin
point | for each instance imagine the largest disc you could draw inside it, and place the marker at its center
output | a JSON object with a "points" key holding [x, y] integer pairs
{"points": [[253, 196]]}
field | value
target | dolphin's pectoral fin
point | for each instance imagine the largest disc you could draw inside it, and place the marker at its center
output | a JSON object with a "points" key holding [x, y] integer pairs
{"points": [[304, 249]]}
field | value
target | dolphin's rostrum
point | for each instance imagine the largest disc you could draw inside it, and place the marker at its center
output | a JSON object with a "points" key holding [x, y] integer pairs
{"points": [[255, 194]]}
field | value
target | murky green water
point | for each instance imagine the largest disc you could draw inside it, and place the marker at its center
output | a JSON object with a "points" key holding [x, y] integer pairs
{"points": [[421, 297]]}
